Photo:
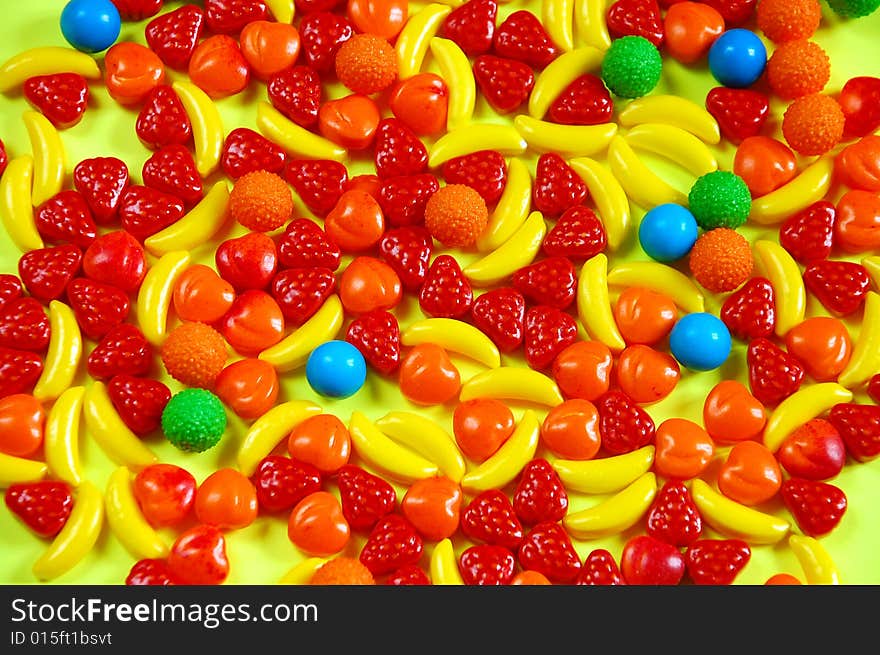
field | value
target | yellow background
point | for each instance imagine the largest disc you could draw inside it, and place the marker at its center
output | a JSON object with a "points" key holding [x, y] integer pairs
{"points": [[261, 553]]}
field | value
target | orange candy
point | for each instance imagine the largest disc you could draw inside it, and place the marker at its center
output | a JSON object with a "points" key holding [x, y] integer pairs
{"points": [[813, 124], [782, 579], [322, 441], [269, 47], [456, 215], [647, 375], [823, 344], [194, 354], [253, 323], [421, 102], [227, 500], [261, 201], [764, 164], [530, 578], [691, 29], [750, 475], [218, 67], [571, 430], [384, 18], [343, 571], [368, 283], [350, 122], [202, 295], [857, 228], [367, 183], [731, 413], [583, 370], [317, 526], [787, 20], [858, 165], [798, 68], [428, 376], [721, 260], [683, 449], [366, 64], [249, 387], [356, 223], [432, 505], [481, 426], [131, 71], [644, 316], [22, 419]]}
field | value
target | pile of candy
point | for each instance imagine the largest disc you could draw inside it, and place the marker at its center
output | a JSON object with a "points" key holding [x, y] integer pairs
{"points": [[581, 312]]}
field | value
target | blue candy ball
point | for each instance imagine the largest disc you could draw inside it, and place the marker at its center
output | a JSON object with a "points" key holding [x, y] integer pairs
{"points": [[90, 25], [737, 58], [700, 341], [336, 369], [668, 232]]}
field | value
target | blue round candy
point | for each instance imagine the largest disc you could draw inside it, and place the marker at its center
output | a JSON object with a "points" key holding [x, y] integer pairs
{"points": [[700, 341], [336, 369], [737, 58], [668, 232], [90, 25]]}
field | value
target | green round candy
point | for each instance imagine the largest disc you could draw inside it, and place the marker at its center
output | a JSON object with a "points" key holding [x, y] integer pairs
{"points": [[631, 67], [194, 420], [854, 8], [720, 199]]}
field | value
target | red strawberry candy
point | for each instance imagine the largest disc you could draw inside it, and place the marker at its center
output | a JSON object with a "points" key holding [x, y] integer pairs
{"points": [[172, 169], [124, 349], [139, 402], [376, 335], [116, 258], [539, 495], [506, 83], [408, 575], [873, 385], [247, 262], [245, 151], [485, 171], [734, 12], [860, 100], [716, 561], [153, 572], [24, 325], [586, 101], [46, 272], [66, 218], [162, 120], [102, 181], [282, 482], [365, 498], [623, 424], [60, 97], [600, 568], [300, 292], [522, 37], [547, 549], [318, 182], [773, 374], [547, 332], [99, 307], [19, 371], [636, 18], [135, 10], [230, 16], [817, 506], [808, 236], [403, 198], [398, 150], [577, 235], [393, 542], [500, 315], [649, 561], [322, 33], [10, 289], [472, 26], [859, 425], [174, 35], [144, 211], [296, 93], [750, 311], [309, 6], [740, 113], [840, 286], [4, 158], [557, 186], [43, 506], [674, 517], [407, 250], [485, 564], [490, 518], [446, 292], [305, 244], [551, 281]]}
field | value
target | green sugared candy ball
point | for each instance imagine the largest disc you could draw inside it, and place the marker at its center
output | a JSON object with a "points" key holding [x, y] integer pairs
{"points": [[194, 420], [854, 8], [631, 67], [720, 199]]}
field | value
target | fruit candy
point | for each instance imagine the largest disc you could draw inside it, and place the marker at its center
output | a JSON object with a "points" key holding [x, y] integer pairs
{"points": [[261, 201], [700, 341], [631, 67], [198, 556], [721, 260], [667, 232], [571, 430], [764, 164], [720, 199], [798, 68], [165, 494], [737, 58], [859, 100], [336, 369], [788, 20], [249, 387], [90, 25], [22, 419], [813, 124], [366, 64], [684, 449], [194, 354], [194, 420]]}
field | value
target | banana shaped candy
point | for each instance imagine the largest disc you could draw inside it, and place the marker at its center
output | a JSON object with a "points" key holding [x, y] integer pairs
{"points": [[557, 16], [20, 469], [283, 11], [444, 565], [427, 439], [872, 264], [454, 336], [788, 284], [293, 351], [473, 138], [64, 353], [512, 383], [50, 160], [808, 187], [565, 140], [675, 111], [507, 462], [126, 520], [609, 196], [512, 208], [675, 144], [61, 436], [643, 186], [736, 520], [559, 73], [455, 69], [818, 567], [864, 362], [296, 140], [113, 436], [154, 296], [605, 475], [46, 61], [16, 210], [590, 23], [803, 405], [594, 303], [386, 455], [267, 432], [616, 514], [661, 278], [414, 39], [197, 227], [207, 125], [518, 251], [302, 573]]}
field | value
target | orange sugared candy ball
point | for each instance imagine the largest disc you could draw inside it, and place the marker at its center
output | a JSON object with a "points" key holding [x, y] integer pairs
{"points": [[721, 260], [261, 201], [343, 571], [798, 68], [194, 354], [366, 64], [788, 20], [813, 124], [456, 215]]}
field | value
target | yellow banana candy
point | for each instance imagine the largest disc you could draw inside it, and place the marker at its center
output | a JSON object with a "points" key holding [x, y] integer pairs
{"points": [[590, 24], [154, 296], [643, 186], [661, 278], [818, 567], [415, 37], [864, 362], [296, 140], [207, 126], [788, 284], [803, 405], [50, 161], [672, 110], [557, 16], [594, 303], [808, 187], [77, 537], [455, 69], [46, 61], [736, 520], [512, 383], [293, 351], [559, 73], [386, 455], [473, 138], [113, 436], [16, 210], [675, 144], [444, 565], [512, 209], [518, 251], [609, 196], [268, 431], [197, 227], [283, 11], [507, 462], [20, 469], [302, 573], [872, 264], [606, 475], [63, 355], [565, 140], [455, 336], [616, 514], [427, 439], [61, 440], [126, 520]]}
